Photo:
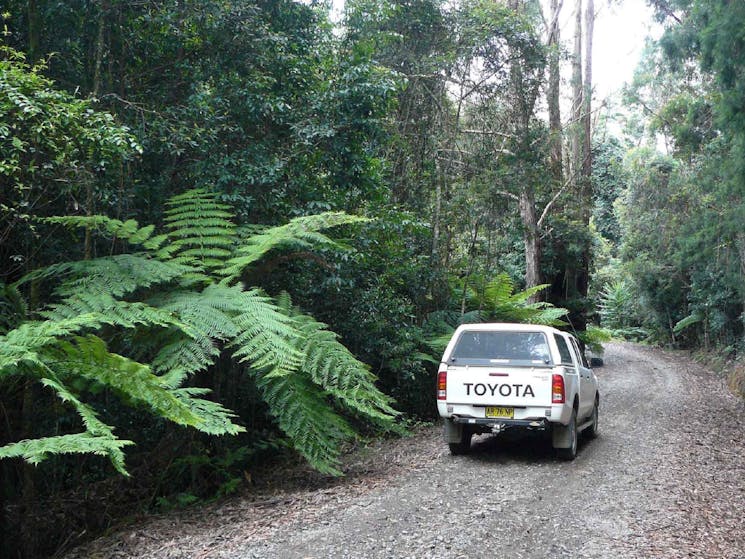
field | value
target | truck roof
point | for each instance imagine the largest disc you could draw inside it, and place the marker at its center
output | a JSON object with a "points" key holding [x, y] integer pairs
{"points": [[508, 327]]}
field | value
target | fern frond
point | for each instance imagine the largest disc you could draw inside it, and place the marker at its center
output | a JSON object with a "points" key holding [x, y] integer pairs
{"points": [[333, 367], [690, 320], [208, 315], [300, 232], [523, 296], [550, 316], [267, 337], [117, 313], [207, 311], [117, 275], [216, 419], [302, 412], [126, 230], [35, 451], [23, 344], [92, 423], [200, 230], [499, 290], [89, 358]]}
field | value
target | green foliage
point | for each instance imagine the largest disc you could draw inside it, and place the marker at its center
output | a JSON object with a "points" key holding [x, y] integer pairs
{"points": [[192, 315], [301, 232], [498, 303], [682, 215], [54, 146], [594, 337], [617, 305]]}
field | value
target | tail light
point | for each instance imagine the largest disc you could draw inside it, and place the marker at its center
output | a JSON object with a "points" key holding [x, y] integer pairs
{"points": [[442, 383], [557, 389]]}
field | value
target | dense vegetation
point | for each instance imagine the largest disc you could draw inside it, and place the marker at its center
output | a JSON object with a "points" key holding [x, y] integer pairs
{"points": [[256, 226]]}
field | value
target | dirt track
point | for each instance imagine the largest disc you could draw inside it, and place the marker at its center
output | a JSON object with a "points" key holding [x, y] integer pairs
{"points": [[666, 478]]}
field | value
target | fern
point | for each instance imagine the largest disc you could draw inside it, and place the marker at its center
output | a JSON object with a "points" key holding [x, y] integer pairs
{"points": [[333, 367], [301, 232], [201, 232], [500, 303], [314, 429], [178, 308], [36, 450]]}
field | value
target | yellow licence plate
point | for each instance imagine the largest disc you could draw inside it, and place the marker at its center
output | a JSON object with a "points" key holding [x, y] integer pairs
{"points": [[500, 412]]}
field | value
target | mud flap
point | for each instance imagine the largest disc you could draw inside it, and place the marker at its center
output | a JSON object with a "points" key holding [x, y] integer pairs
{"points": [[561, 436], [453, 431]]}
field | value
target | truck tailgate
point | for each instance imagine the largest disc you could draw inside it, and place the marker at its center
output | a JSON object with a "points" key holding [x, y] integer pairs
{"points": [[499, 386]]}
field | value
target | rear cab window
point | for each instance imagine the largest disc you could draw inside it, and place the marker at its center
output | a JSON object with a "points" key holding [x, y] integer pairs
{"points": [[483, 347]]}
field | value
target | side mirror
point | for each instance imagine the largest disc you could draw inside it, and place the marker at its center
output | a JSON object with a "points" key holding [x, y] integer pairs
{"points": [[596, 362]]}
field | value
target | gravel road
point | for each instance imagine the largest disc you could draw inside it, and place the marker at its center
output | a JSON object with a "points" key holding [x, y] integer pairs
{"points": [[665, 478]]}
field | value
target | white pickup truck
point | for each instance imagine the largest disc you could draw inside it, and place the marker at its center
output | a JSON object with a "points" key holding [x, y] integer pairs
{"points": [[497, 376]]}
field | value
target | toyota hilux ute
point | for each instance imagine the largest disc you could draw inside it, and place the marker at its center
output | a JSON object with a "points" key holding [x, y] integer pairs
{"points": [[499, 376]]}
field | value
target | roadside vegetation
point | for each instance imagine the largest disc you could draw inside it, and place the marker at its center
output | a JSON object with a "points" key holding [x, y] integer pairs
{"points": [[233, 232]]}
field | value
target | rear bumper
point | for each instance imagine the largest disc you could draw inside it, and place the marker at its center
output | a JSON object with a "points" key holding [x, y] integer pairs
{"points": [[501, 424]]}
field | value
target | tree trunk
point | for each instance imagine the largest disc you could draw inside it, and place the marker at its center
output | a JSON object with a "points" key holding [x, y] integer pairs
{"points": [[532, 241], [29, 537], [98, 62], [587, 114], [34, 32], [471, 263], [585, 180], [577, 90], [553, 96]]}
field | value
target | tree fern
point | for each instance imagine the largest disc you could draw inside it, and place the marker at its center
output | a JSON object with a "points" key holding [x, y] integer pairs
{"points": [[179, 294], [498, 303]]}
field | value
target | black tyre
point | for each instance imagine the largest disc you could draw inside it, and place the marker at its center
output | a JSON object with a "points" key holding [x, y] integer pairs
{"points": [[592, 430], [464, 446], [570, 453]]}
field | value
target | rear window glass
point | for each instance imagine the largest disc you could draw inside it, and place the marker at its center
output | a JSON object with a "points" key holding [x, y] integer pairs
{"points": [[514, 348]]}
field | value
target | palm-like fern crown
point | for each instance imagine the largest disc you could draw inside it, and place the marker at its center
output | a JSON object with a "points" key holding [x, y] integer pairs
{"points": [[179, 292], [498, 303]]}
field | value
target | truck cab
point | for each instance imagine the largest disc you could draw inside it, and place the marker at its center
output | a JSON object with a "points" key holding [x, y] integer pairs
{"points": [[500, 376]]}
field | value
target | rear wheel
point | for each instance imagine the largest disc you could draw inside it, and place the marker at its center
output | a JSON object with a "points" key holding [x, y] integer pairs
{"points": [[592, 430], [570, 452], [464, 445]]}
